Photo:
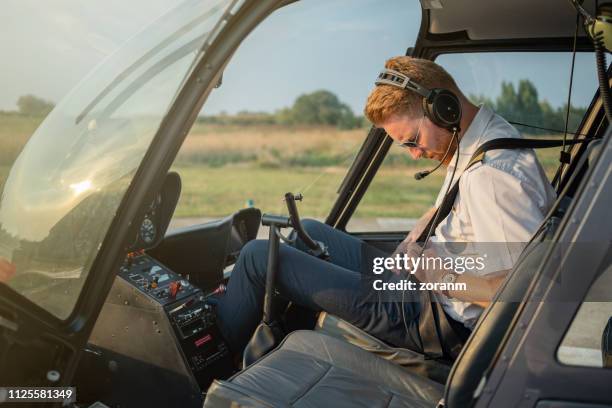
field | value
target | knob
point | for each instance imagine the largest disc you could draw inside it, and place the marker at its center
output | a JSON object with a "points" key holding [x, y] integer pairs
{"points": [[174, 288]]}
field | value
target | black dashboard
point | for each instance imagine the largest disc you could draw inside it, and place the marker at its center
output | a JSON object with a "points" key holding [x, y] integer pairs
{"points": [[158, 325], [201, 252]]}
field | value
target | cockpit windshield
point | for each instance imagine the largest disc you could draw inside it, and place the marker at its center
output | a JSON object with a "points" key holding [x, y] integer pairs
{"points": [[66, 185]]}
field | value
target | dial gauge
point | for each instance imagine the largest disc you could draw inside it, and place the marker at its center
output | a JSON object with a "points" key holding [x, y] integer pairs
{"points": [[148, 232]]}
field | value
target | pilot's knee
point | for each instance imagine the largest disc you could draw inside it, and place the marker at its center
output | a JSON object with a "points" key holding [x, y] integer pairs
{"points": [[255, 249], [311, 226], [254, 256]]}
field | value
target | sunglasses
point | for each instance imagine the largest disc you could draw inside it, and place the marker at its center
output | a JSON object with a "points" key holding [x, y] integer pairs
{"points": [[414, 141]]}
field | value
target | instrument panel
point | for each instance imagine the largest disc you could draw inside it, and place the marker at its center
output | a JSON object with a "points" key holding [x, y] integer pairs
{"points": [[201, 252], [154, 279], [159, 332], [189, 311]]}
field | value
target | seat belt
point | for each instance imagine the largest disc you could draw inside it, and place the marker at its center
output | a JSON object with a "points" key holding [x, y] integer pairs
{"points": [[438, 336], [503, 143]]}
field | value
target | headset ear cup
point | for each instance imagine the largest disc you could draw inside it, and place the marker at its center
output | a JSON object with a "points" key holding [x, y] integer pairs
{"points": [[443, 108], [427, 109]]}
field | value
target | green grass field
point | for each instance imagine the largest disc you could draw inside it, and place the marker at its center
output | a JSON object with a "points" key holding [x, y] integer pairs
{"points": [[224, 166]]}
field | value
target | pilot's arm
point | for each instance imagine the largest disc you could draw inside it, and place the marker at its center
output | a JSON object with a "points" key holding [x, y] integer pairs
{"points": [[503, 210]]}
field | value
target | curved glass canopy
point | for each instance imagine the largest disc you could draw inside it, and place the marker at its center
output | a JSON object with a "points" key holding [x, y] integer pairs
{"points": [[65, 187]]}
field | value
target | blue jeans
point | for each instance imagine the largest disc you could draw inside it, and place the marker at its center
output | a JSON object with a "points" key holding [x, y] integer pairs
{"points": [[340, 287]]}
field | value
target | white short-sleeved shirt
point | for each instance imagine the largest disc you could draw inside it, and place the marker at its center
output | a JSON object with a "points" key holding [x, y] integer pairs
{"points": [[503, 199]]}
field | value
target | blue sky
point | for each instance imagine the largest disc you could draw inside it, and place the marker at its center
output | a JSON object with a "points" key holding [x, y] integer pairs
{"points": [[337, 45], [342, 45]]}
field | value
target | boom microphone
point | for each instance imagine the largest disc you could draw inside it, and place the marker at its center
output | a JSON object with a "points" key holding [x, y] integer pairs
{"points": [[422, 174]]}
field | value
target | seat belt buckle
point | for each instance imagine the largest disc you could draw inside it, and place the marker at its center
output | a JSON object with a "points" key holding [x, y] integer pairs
{"points": [[441, 403]]}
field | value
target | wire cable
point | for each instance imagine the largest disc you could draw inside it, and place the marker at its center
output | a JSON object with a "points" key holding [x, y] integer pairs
{"points": [[436, 216], [344, 159], [543, 128], [563, 154]]}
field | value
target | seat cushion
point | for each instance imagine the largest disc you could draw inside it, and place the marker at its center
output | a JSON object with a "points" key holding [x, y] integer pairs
{"points": [[410, 360], [311, 369]]}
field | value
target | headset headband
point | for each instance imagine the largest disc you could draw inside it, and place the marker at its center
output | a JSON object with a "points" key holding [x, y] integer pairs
{"points": [[395, 78]]}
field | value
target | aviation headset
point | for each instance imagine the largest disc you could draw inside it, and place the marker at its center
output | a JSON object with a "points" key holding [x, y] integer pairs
{"points": [[441, 106]]}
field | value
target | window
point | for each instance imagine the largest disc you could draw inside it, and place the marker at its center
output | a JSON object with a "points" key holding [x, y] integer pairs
{"points": [[533, 94], [63, 191], [582, 344], [70, 39], [288, 115], [395, 199]]}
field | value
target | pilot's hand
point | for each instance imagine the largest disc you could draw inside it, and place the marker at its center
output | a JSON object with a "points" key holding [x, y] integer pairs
{"points": [[7, 270], [419, 227], [411, 249], [431, 273]]}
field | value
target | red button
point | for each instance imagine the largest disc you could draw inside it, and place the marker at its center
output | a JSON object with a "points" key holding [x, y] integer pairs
{"points": [[203, 340], [174, 288]]}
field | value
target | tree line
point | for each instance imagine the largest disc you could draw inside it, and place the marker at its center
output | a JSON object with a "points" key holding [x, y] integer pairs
{"points": [[318, 108], [324, 108], [518, 104], [522, 104], [31, 105]]}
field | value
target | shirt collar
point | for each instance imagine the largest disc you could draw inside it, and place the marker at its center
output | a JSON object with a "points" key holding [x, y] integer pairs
{"points": [[472, 138]]}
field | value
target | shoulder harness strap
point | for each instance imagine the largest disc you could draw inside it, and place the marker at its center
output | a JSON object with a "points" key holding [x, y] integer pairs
{"points": [[478, 156], [437, 335]]}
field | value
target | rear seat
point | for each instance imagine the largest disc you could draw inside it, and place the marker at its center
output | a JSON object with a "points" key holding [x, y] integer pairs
{"points": [[311, 369]]}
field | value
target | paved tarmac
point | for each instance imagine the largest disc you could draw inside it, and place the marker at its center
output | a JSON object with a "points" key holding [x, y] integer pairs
{"points": [[358, 225]]}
